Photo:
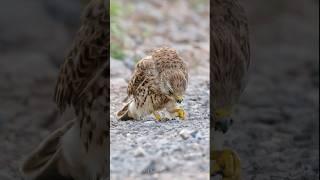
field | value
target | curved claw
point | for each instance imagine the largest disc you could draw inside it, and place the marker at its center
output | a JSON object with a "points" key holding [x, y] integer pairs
{"points": [[159, 118], [227, 164], [180, 113]]}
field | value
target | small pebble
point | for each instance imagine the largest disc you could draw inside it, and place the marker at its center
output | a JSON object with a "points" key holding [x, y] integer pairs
{"points": [[185, 134], [139, 152]]}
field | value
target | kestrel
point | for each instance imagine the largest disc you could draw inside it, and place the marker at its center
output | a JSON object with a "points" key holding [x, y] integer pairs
{"points": [[230, 61], [78, 150], [159, 81]]}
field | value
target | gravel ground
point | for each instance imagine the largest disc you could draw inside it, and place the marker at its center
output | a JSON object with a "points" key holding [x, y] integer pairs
{"points": [[147, 149]]}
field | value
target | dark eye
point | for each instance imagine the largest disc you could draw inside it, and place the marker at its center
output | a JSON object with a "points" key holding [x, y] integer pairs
{"points": [[170, 92]]}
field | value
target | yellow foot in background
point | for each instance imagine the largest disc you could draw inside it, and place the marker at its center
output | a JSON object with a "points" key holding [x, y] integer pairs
{"points": [[227, 164], [180, 113], [157, 116]]}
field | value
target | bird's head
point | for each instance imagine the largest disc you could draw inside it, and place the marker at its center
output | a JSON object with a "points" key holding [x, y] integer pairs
{"points": [[174, 84], [223, 119]]}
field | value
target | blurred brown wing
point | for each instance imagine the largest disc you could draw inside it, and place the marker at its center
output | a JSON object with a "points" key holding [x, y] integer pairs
{"points": [[230, 51], [87, 57], [229, 23]]}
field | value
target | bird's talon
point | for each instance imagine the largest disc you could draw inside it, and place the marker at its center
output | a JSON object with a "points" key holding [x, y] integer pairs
{"points": [[227, 164], [157, 116], [180, 113], [165, 119]]}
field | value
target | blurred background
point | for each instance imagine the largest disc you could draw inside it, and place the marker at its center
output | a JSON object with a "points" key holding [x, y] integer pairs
{"points": [[139, 26], [276, 130], [34, 38]]}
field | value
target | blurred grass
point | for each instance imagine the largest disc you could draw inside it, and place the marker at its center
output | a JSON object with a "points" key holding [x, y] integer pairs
{"points": [[116, 52], [199, 5], [116, 12]]}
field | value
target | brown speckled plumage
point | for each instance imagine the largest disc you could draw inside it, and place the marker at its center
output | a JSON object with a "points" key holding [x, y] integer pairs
{"points": [[147, 84], [86, 59], [83, 78]]}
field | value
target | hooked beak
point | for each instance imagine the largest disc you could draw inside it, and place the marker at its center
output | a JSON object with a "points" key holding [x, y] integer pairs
{"points": [[179, 99]]}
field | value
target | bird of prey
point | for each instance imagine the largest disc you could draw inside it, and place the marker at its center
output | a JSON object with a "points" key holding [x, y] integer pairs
{"points": [[78, 149], [159, 81], [230, 61]]}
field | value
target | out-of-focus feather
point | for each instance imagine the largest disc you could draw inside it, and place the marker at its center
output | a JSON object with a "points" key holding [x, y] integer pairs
{"points": [[230, 51]]}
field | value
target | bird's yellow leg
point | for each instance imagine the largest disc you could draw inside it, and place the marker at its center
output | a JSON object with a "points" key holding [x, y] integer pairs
{"points": [[180, 113], [226, 163], [157, 116]]}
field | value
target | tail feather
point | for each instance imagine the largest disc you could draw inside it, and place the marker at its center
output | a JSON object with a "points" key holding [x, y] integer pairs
{"points": [[124, 114], [45, 161], [125, 99]]}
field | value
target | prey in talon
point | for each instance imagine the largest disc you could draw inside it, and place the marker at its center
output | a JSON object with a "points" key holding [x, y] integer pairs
{"points": [[159, 82]]}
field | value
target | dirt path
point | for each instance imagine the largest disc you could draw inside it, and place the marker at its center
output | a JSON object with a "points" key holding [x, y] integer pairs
{"points": [[147, 149]]}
